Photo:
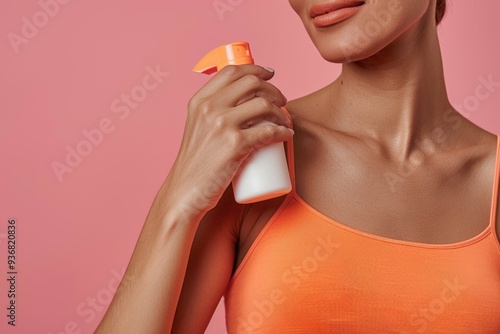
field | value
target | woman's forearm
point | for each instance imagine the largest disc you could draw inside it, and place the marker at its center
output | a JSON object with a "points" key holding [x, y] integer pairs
{"points": [[146, 300]]}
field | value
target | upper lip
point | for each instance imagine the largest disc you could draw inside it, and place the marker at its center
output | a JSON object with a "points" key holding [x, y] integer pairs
{"points": [[333, 5]]}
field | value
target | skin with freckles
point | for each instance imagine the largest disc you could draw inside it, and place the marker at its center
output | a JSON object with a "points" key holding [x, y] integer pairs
{"points": [[380, 149]]}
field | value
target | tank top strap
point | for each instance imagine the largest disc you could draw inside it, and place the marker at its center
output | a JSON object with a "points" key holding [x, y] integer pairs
{"points": [[290, 153], [494, 199]]}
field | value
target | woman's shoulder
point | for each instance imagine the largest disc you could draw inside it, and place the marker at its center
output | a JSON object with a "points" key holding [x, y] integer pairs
{"points": [[310, 115], [303, 107], [310, 112]]}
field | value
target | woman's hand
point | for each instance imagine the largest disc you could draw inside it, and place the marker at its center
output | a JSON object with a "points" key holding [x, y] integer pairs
{"points": [[218, 135]]}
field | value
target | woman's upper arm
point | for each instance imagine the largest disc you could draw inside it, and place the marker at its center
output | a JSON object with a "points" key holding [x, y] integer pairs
{"points": [[210, 266]]}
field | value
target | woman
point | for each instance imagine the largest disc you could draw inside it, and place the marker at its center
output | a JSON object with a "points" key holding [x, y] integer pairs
{"points": [[391, 225]]}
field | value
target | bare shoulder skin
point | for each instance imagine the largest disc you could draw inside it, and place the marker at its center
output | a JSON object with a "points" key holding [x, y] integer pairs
{"points": [[446, 198]]}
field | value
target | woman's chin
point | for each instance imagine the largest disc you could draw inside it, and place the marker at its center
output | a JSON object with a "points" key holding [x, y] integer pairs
{"points": [[341, 55]]}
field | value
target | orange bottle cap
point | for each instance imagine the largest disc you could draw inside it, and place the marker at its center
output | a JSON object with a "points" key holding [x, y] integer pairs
{"points": [[237, 53]]}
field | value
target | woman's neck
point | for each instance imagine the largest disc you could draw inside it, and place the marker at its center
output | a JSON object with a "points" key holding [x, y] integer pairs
{"points": [[396, 97]]}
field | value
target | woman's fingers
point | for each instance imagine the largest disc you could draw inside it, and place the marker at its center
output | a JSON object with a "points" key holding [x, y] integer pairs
{"points": [[247, 88], [230, 74], [265, 134], [255, 110]]}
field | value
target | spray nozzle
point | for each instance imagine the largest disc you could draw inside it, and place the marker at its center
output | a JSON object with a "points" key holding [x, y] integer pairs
{"points": [[237, 53]]}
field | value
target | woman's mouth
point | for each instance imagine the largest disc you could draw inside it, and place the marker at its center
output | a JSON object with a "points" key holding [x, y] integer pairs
{"points": [[333, 12]]}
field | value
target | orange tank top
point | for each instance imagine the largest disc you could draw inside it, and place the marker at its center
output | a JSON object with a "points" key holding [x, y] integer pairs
{"points": [[306, 273]]}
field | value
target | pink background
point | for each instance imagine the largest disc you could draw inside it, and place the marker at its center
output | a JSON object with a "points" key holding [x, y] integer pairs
{"points": [[75, 235]]}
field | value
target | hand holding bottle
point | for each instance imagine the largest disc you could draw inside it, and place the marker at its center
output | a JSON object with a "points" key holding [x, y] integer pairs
{"points": [[218, 135]]}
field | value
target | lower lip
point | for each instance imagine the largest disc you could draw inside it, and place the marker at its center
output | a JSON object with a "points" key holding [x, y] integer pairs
{"points": [[335, 17]]}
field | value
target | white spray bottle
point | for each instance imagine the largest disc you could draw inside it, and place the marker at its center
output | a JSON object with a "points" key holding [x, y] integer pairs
{"points": [[264, 175]]}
